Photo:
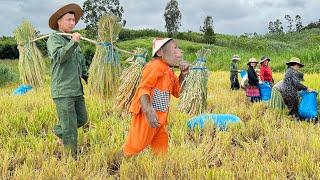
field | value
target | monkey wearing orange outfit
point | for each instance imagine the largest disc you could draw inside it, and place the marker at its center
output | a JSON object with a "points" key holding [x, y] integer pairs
{"points": [[150, 104]]}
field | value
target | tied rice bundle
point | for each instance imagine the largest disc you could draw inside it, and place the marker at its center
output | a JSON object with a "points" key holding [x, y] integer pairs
{"points": [[105, 69], [130, 79], [31, 63], [193, 99]]}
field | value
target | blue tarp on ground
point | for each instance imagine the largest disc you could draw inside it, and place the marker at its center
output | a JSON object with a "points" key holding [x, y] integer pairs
{"points": [[221, 121], [21, 90]]}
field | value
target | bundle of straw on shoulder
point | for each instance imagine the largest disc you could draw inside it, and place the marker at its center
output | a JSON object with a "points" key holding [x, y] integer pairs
{"points": [[105, 69], [130, 79], [31, 63], [193, 98]]}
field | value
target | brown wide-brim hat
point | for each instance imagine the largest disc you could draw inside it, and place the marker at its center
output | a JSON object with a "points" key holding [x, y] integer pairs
{"points": [[294, 60], [75, 8], [264, 58]]}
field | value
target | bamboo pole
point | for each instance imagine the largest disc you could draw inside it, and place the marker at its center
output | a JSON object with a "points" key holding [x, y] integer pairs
{"points": [[83, 38], [65, 34]]}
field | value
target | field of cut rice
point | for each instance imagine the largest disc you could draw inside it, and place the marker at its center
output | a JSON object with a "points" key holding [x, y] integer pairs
{"points": [[268, 144]]}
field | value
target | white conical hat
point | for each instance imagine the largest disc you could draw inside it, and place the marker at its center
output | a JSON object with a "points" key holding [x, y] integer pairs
{"points": [[158, 43]]}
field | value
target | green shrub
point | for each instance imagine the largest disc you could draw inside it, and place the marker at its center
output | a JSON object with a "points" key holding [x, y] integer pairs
{"points": [[6, 75], [129, 34], [8, 48], [42, 46], [88, 50]]}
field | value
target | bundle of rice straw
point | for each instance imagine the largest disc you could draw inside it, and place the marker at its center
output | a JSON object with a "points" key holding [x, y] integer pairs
{"points": [[130, 79], [105, 69], [31, 63], [193, 99]]}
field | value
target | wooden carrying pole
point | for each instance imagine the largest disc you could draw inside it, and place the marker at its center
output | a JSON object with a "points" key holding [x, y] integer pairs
{"points": [[83, 38]]}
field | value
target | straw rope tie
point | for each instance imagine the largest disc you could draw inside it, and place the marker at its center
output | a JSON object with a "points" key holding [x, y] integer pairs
{"points": [[202, 59], [199, 68], [105, 44], [140, 56]]}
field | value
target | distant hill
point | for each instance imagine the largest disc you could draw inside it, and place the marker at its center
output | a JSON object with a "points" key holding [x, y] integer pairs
{"points": [[279, 47]]}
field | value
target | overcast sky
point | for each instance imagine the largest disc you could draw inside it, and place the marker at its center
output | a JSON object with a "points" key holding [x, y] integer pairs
{"points": [[229, 16]]}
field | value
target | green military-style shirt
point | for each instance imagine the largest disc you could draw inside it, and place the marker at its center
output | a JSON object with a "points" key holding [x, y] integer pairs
{"points": [[233, 68], [68, 66]]}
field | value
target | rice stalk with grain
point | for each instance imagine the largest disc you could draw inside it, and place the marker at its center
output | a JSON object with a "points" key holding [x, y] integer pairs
{"points": [[105, 69], [193, 98], [31, 62], [130, 79]]}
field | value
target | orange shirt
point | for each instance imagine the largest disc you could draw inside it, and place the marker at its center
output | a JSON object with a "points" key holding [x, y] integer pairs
{"points": [[158, 81]]}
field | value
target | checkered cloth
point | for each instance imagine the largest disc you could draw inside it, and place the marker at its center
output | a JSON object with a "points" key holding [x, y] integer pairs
{"points": [[160, 100], [252, 91]]}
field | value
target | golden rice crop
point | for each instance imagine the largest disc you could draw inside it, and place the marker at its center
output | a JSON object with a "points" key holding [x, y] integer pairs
{"points": [[31, 62], [130, 79], [268, 145], [193, 99], [105, 69]]}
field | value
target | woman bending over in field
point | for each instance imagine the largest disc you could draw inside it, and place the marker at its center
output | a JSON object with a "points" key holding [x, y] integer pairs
{"points": [[291, 85]]}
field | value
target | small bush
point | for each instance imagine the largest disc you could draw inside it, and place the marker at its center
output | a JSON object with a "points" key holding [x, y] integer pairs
{"points": [[128, 34], [6, 75], [8, 48]]}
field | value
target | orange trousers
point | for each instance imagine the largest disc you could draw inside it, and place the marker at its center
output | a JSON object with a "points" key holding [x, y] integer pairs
{"points": [[141, 135]]}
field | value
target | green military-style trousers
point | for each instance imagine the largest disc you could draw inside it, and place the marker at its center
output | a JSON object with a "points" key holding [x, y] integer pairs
{"points": [[72, 114]]}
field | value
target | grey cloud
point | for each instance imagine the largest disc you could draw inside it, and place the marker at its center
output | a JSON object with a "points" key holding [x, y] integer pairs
{"points": [[227, 10], [296, 3], [267, 4], [283, 3], [229, 16], [144, 14]]}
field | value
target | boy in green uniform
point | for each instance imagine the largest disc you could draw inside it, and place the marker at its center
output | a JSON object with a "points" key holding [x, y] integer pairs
{"points": [[68, 67], [234, 73]]}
